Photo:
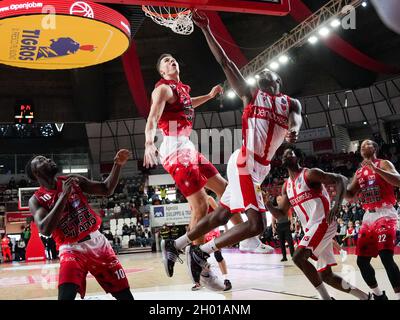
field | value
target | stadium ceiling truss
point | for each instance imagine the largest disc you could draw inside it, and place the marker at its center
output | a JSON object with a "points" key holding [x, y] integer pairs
{"points": [[352, 108], [299, 35]]}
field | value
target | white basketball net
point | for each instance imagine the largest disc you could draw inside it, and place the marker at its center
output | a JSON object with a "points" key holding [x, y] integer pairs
{"points": [[177, 19]]}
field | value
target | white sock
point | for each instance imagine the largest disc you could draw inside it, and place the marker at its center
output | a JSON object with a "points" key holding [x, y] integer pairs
{"points": [[377, 291], [358, 294], [182, 242], [225, 276], [209, 247], [323, 292]]}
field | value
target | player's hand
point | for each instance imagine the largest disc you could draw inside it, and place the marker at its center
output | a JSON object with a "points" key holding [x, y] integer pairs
{"points": [[369, 164], [215, 91], [122, 157], [200, 19], [333, 214], [292, 136], [267, 200], [69, 183], [150, 156]]}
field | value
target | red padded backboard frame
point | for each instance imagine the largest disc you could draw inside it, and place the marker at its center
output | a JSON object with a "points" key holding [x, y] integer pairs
{"points": [[244, 6]]}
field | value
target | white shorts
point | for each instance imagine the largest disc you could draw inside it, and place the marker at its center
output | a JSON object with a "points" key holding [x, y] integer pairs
{"points": [[244, 185], [319, 240]]}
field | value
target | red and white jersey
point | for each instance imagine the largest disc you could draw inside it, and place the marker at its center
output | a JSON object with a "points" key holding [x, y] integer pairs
{"points": [[310, 204], [264, 125], [177, 118], [375, 192], [78, 219]]}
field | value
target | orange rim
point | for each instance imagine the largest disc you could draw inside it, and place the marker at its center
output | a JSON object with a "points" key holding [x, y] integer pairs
{"points": [[164, 15]]}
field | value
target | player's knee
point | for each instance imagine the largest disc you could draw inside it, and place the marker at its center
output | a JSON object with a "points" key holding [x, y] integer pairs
{"points": [[362, 262], [299, 258], [387, 258], [326, 275], [218, 256], [125, 294], [67, 291], [222, 216]]}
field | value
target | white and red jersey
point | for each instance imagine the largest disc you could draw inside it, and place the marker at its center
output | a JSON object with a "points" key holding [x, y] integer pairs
{"points": [[264, 125], [374, 192], [177, 118], [310, 204], [77, 221]]}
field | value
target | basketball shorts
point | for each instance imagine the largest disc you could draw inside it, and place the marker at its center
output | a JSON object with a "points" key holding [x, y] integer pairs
{"points": [[377, 232], [318, 238], [244, 184], [95, 256], [188, 167]]}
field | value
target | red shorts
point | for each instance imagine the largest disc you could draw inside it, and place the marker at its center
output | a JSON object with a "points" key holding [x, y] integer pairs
{"points": [[190, 170], [376, 236], [97, 257]]}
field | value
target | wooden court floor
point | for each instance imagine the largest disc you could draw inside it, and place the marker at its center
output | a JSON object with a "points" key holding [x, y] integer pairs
{"points": [[253, 276]]}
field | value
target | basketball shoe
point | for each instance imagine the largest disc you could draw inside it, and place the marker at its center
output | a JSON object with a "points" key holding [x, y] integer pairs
{"points": [[197, 262], [170, 255]]}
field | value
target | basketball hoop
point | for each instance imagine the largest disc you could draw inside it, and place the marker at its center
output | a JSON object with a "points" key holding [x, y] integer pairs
{"points": [[177, 19]]}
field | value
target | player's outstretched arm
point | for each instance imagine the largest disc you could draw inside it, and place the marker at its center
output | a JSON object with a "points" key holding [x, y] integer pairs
{"points": [[388, 171], [282, 209], [159, 98], [106, 187], [295, 121], [235, 78], [352, 189], [48, 221], [198, 101], [317, 176]]}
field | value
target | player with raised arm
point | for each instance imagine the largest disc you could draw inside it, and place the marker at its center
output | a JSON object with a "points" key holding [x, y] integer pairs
{"points": [[269, 117], [304, 191], [60, 209]]}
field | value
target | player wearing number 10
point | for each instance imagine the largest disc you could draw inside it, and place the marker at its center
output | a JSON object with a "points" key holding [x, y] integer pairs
{"points": [[60, 209]]}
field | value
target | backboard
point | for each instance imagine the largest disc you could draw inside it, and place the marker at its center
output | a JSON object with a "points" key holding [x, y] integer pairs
{"points": [[267, 7], [24, 194]]}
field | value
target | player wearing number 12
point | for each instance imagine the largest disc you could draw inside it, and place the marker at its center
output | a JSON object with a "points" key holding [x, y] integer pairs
{"points": [[60, 208]]}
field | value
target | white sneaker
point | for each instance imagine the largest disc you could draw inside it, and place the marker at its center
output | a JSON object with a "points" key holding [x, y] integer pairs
{"points": [[263, 248], [259, 248], [343, 255], [210, 280], [249, 244]]}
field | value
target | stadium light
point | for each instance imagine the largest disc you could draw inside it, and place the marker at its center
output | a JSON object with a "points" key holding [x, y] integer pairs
{"points": [[324, 32], [231, 94], [335, 23], [364, 4], [313, 39], [274, 65], [283, 59], [251, 81]]}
